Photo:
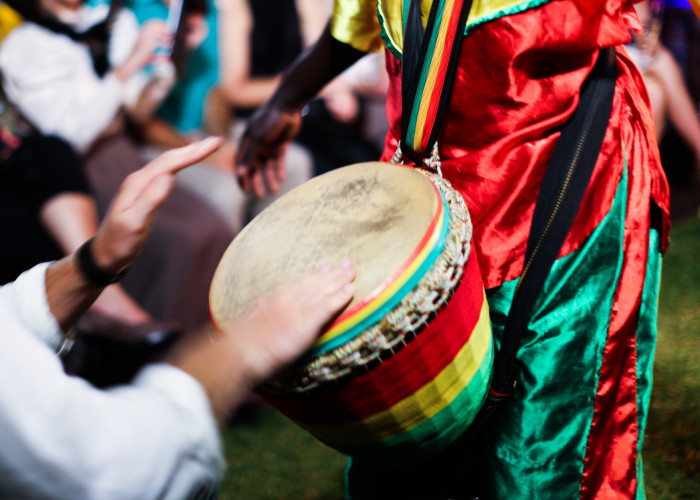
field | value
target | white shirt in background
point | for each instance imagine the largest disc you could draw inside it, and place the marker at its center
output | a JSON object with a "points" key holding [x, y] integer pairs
{"points": [[51, 79]]}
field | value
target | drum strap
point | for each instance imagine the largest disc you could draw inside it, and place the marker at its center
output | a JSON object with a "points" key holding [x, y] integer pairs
{"points": [[429, 64], [563, 187]]}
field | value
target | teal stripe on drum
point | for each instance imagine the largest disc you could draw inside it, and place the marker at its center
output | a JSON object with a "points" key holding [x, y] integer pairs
{"points": [[395, 299]]}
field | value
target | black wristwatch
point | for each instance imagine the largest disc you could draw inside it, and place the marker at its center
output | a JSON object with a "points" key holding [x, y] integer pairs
{"points": [[91, 271]]}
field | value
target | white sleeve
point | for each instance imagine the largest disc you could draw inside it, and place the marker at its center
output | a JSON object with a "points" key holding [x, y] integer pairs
{"points": [[62, 438], [51, 80], [26, 300]]}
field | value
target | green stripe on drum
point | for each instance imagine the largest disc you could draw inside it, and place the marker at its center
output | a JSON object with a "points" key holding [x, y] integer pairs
{"points": [[431, 417], [438, 432]]}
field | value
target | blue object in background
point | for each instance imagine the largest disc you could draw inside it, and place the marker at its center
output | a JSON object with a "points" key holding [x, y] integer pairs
{"points": [[678, 4]]}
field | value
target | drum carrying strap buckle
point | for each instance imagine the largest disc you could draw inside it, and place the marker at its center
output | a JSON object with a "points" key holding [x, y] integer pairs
{"points": [[432, 163]]}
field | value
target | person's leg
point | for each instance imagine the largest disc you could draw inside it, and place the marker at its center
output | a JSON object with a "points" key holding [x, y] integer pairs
{"points": [[681, 110], [657, 97], [71, 219]]}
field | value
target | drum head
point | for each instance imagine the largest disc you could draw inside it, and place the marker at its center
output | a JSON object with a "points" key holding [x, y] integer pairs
{"points": [[374, 213]]}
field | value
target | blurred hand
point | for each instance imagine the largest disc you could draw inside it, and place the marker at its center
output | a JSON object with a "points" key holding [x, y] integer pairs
{"points": [[276, 332], [223, 158], [343, 106], [153, 35], [197, 30], [123, 232], [282, 326], [259, 162]]}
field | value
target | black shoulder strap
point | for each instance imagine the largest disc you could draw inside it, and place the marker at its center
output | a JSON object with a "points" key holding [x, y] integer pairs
{"points": [[564, 184]]}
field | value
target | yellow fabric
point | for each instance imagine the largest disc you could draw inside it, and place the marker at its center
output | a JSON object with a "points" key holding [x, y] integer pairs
{"points": [[431, 398], [9, 20], [355, 21]]}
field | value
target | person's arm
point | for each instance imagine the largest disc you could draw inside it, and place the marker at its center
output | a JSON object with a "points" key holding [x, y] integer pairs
{"points": [[156, 438], [238, 86], [273, 334], [275, 124], [123, 232]]}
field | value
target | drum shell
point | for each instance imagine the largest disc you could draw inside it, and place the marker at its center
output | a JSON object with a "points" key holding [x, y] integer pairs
{"points": [[417, 401]]}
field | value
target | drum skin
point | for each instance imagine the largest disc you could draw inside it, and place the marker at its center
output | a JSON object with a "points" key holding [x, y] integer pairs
{"points": [[374, 213], [424, 391]]}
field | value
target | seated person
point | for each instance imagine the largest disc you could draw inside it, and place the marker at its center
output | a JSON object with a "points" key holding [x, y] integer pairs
{"points": [[77, 70], [47, 211], [157, 437], [261, 41], [669, 95]]}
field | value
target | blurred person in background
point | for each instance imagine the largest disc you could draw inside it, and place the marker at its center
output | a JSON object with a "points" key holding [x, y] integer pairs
{"points": [[680, 33], [79, 71], [48, 211], [262, 39], [670, 98], [156, 437], [195, 107]]}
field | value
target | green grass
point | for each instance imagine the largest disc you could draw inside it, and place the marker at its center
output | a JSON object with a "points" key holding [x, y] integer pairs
{"points": [[672, 446], [276, 460]]}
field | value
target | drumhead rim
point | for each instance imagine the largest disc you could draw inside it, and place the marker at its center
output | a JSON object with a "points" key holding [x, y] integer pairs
{"points": [[402, 324]]}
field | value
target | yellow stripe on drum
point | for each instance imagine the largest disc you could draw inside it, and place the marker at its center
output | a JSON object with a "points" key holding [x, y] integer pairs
{"points": [[391, 289], [422, 405]]}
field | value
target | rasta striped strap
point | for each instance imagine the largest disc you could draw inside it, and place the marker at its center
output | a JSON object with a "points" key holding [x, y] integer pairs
{"points": [[429, 63]]}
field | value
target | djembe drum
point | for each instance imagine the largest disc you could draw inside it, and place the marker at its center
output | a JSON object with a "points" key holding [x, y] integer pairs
{"points": [[404, 369]]}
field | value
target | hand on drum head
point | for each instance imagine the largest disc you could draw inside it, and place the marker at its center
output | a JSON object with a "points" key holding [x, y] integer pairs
{"points": [[276, 332], [260, 159], [282, 326]]}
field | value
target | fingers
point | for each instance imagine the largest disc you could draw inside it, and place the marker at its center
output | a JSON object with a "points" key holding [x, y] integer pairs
{"points": [[282, 327], [256, 184], [273, 183], [153, 196], [334, 284], [167, 164], [244, 154], [177, 159]]}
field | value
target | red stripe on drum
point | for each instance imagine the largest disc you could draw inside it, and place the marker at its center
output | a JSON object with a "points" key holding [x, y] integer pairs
{"points": [[401, 375]]}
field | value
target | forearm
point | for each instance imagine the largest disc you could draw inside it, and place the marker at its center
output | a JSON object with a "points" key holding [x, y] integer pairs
{"points": [[149, 99], [313, 70], [220, 367], [68, 292], [251, 93]]}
